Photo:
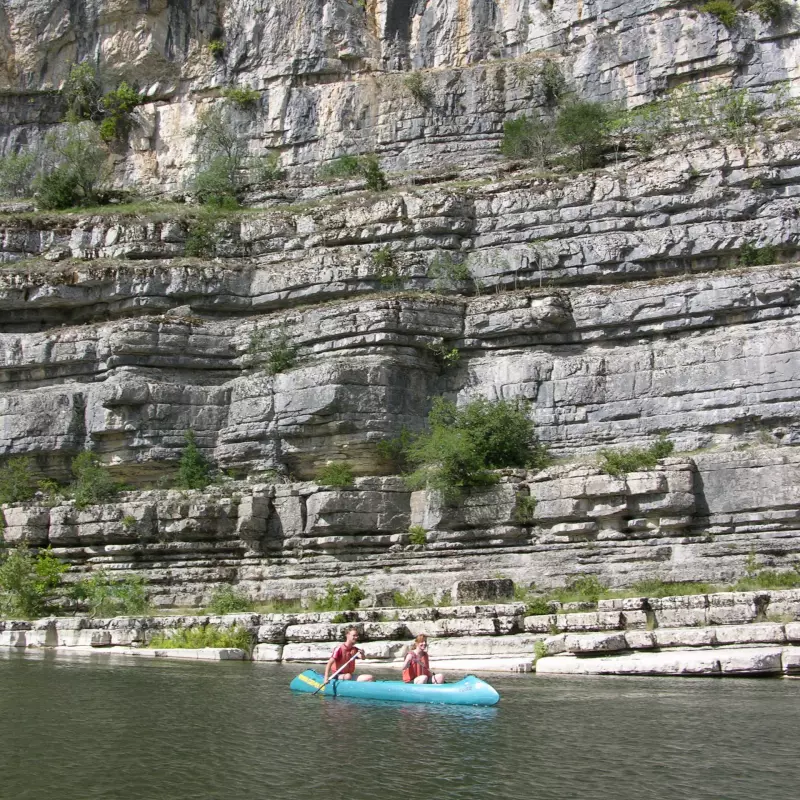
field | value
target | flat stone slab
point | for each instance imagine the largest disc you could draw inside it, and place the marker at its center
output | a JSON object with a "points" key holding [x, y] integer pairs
{"points": [[199, 654], [735, 661]]}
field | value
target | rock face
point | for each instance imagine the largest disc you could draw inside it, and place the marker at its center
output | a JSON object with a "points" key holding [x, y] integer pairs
{"points": [[622, 302], [330, 73]]}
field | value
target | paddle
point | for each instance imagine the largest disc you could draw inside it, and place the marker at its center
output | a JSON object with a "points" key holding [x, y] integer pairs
{"points": [[354, 657]]}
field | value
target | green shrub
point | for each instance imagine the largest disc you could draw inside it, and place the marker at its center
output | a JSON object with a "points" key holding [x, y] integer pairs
{"points": [[385, 267], [217, 48], [204, 636], [412, 599], [242, 96], [584, 127], [113, 597], [539, 650], [539, 606], [525, 509], [128, 522], [117, 106], [275, 349], [17, 171], [218, 184], [447, 273], [267, 169], [723, 10], [445, 356], [194, 471], [221, 151], [202, 236], [336, 473], [82, 93], [349, 166], [463, 446], [27, 582], [768, 579], [373, 174], [93, 482], [655, 587], [525, 138], [227, 600], [773, 11], [17, 481], [342, 598], [418, 88], [553, 83], [417, 535], [341, 168], [752, 256], [620, 462], [392, 452], [581, 589], [75, 167]]}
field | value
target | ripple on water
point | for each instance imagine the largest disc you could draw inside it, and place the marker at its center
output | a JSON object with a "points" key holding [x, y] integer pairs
{"points": [[90, 728]]}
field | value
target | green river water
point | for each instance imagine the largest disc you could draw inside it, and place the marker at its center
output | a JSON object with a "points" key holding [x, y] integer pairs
{"points": [[92, 727]]}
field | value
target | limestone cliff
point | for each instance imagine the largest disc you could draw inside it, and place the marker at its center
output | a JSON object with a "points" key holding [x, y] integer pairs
{"points": [[616, 300]]}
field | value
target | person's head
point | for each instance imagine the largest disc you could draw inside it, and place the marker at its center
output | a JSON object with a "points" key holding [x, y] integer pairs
{"points": [[351, 636], [421, 642]]}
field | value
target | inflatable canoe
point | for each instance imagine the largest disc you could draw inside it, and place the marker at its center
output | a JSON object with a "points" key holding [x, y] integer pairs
{"points": [[470, 691]]}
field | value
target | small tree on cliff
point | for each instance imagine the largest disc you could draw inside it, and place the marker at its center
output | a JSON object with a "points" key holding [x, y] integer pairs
{"points": [[194, 471], [28, 582], [464, 445]]}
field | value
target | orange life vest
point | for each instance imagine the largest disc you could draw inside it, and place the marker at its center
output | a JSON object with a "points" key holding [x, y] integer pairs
{"points": [[341, 655], [415, 666]]}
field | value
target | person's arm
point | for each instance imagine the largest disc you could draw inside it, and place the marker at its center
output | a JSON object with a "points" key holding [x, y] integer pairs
{"points": [[329, 666]]}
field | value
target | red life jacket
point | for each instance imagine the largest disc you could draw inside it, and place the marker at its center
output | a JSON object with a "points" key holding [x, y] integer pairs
{"points": [[415, 666], [341, 655]]}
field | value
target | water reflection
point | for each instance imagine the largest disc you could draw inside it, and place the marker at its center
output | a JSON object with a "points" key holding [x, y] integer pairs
{"points": [[92, 729]]}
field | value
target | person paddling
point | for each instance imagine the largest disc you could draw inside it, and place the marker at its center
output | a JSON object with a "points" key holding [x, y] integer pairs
{"points": [[343, 656], [416, 667]]}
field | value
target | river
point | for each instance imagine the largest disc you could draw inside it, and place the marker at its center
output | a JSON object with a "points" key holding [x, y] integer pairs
{"points": [[89, 728]]}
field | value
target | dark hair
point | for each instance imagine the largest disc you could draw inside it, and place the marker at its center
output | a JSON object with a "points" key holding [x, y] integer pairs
{"points": [[351, 628]]}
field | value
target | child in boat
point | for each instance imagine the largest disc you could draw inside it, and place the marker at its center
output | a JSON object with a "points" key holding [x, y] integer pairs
{"points": [[416, 667], [342, 654]]}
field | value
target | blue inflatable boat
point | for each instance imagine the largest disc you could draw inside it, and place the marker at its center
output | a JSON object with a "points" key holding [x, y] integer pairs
{"points": [[470, 691]]}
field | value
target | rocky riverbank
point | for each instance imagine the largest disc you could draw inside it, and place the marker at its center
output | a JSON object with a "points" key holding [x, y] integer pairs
{"points": [[733, 633]]}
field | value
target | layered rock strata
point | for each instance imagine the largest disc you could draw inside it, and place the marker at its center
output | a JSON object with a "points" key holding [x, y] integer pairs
{"points": [[632, 638], [330, 76]]}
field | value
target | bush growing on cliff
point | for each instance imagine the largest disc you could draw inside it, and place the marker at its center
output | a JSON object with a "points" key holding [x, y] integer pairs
{"points": [[227, 600], [526, 138], [463, 445], [581, 589], [82, 93], [621, 462], [752, 256], [339, 168], [112, 597], [418, 88], [448, 272], [221, 152], [336, 473], [194, 471], [204, 636], [584, 127], [339, 598], [350, 166], [274, 349], [28, 583], [17, 171], [774, 11], [724, 10], [74, 169], [242, 96], [17, 481], [116, 107], [93, 482]]}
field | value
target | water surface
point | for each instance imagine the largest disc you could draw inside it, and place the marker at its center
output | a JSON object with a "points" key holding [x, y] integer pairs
{"points": [[89, 728]]}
